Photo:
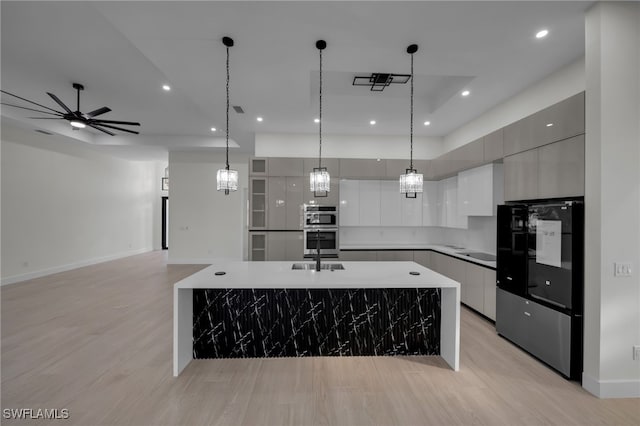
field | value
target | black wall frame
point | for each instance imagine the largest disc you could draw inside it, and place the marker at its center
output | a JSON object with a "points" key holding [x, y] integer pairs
{"points": [[165, 213]]}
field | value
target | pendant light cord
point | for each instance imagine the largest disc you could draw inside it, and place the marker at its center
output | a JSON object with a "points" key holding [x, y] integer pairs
{"points": [[411, 114], [320, 116], [227, 107]]}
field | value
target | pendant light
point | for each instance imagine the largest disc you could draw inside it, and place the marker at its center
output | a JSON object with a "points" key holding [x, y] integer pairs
{"points": [[411, 181], [319, 179], [227, 178]]}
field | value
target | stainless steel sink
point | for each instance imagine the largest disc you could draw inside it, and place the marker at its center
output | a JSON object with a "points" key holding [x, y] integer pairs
{"points": [[478, 255], [323, 266]]}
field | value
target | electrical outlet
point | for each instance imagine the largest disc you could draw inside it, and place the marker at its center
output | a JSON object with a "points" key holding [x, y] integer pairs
{"points": [[636, 352], [622, 269]]}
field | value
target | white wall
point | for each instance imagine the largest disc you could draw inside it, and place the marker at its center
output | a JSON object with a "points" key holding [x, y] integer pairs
{"points": [[612, 199], [346, 146], [205, 225], [65, 205], [560, 85]]}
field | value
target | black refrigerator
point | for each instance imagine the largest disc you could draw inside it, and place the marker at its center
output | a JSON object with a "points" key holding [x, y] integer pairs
{"points": [[540, 279]]}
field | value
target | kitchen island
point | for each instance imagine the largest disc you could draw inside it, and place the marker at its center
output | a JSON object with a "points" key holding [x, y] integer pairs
{"points": [[267, 309]]}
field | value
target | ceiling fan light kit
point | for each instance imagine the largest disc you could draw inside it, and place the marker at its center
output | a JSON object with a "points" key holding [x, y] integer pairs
{"points": [[77, 119], [227, 178], [319, 178], [411, 182]]}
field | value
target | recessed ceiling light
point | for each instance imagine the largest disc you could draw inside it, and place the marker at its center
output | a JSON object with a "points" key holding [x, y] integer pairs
{"points": [[549, 124], [372, 122], [78, 124], [259, 118], [213, 129], [427, 123], [316, 120], [166, 87], [542, 33], [465, 93]]}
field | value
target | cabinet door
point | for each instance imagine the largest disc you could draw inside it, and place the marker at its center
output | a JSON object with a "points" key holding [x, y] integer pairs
{"points": [[561, 168], [356, 168], [294, 246], [369, 207], [518, 136], [475, 191], [258, 246], [423, 257], [439, 263], [258, 203], [277, 196], [430, 204], [452, 217], [468, 156], [521, 176], [390, 210], [293, 203], [358, 255], [455, 269], [559, 121], [276, 246], [411, 210], [490, 293], [258, 166], [395, 255], [285, 166], [474, 287], [493, 146], [349, 202]]}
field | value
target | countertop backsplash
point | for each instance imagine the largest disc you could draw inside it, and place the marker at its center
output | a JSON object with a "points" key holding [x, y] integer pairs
{"points": [[480, 236]]}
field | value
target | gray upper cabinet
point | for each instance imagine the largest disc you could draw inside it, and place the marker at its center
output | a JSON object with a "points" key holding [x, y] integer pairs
{"points": [[560, 121], [521, 176], [557, 122], [332, 198], [332, 165], [468, 156], [561, 168], [294, 199], [258, 166], [277, 196], [395, 168], [285, 166], [493, 146], [356, 168]]}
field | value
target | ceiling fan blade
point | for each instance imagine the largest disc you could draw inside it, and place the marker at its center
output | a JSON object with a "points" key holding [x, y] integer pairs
{"points": [[27, 100], [59, 102], [128, 123], [117, 128], [31, 109], [102, 130], [99, 111], [48, 118]]}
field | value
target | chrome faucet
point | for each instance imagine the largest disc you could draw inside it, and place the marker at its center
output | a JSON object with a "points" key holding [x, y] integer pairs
{"points": [[318, 251]]}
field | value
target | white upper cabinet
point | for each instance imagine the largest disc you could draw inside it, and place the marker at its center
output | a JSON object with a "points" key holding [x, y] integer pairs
{"points": [[430, 216], [349, 202], [369, 206], [450, 217], [410, 208], [390, 210], [480, 190]]}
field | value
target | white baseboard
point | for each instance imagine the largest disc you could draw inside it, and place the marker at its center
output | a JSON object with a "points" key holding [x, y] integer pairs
{"points": [[62, 268], [611, 388], [201, 260]]}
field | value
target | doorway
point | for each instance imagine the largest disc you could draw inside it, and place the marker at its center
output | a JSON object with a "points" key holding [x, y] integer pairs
{"points": [[165, 223]]}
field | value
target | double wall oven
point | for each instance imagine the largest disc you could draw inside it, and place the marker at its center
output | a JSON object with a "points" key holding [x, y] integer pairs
{"points": [[320, 224]]}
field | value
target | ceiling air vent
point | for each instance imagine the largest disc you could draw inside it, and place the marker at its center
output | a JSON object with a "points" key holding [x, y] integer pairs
{"points": [[238, 109], [378, 81]]}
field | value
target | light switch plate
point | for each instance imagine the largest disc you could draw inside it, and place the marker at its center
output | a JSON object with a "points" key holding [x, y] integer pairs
{"points": [[622, 269]]}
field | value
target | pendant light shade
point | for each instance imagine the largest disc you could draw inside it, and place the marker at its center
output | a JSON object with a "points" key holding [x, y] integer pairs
{"points": [[227, 178], [411, 181], [319, 179]]}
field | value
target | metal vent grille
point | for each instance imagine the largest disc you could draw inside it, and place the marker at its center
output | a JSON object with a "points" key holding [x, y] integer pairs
{"points": [[238, 109]]}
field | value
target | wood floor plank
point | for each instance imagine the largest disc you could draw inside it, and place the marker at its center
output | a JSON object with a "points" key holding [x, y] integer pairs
{"points": [[98, 341]]}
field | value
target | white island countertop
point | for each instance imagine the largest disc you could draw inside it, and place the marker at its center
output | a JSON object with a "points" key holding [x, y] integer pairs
{"points": [[279, 275]]}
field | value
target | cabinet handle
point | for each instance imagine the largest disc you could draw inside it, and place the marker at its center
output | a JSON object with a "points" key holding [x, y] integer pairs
{"points": [[510, 279], [527, 313]]}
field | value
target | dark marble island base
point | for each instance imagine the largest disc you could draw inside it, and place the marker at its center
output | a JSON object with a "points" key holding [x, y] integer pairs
{"points": [[247, 323]]}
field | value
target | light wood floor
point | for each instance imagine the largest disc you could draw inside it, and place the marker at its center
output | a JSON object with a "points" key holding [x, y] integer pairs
{"points": [[97, 341]]}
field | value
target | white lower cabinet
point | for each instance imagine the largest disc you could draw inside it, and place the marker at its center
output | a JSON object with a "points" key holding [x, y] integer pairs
{"points": [[395, 255], [490, 293], [473, 287], [358, 256]]}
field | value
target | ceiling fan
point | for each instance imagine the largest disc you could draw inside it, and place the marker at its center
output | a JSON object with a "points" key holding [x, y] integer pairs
{"points": [[77, 119]]}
